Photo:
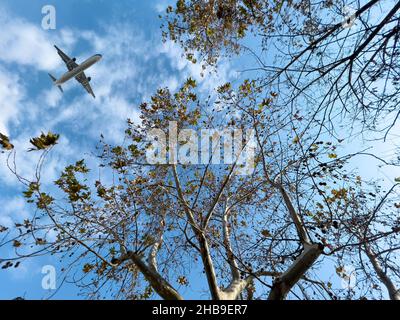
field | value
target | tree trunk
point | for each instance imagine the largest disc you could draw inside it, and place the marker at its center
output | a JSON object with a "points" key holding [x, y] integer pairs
{"points": [[283, 284], [394, 293], [163, 288]]}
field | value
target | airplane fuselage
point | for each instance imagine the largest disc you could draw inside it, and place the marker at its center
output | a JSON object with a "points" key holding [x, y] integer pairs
{"points": [[79, 69]]}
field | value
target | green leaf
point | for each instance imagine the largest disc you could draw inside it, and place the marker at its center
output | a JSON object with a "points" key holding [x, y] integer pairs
{"points": [[5, 142], [266, 233], [17, 244], [44, 141]]}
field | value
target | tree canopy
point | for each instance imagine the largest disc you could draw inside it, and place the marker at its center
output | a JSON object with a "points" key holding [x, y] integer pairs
{"points": [[265, 228]]}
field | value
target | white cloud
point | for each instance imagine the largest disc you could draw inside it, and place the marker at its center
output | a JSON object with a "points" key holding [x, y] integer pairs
{"points": [[11, 95], [208, 79], [132, 68], [25, 162], [51, 96], [13, 210], [161, 5], [25, 43]]}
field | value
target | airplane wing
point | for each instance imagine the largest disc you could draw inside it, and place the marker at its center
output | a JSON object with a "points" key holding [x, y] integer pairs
{"points": [[71, 64], [84, 81]]}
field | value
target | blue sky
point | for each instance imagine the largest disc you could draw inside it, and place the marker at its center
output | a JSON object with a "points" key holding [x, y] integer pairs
{"points": [[135, 63]]}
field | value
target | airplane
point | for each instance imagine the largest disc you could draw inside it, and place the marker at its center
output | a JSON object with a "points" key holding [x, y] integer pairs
{"points": [[76, 70]]}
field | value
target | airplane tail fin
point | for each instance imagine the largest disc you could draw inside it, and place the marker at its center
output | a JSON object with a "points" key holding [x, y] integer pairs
{"points": [[54, 80]]}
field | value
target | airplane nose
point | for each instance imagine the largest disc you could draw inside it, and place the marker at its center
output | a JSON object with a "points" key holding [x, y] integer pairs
{"points": [[99, 56]]}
